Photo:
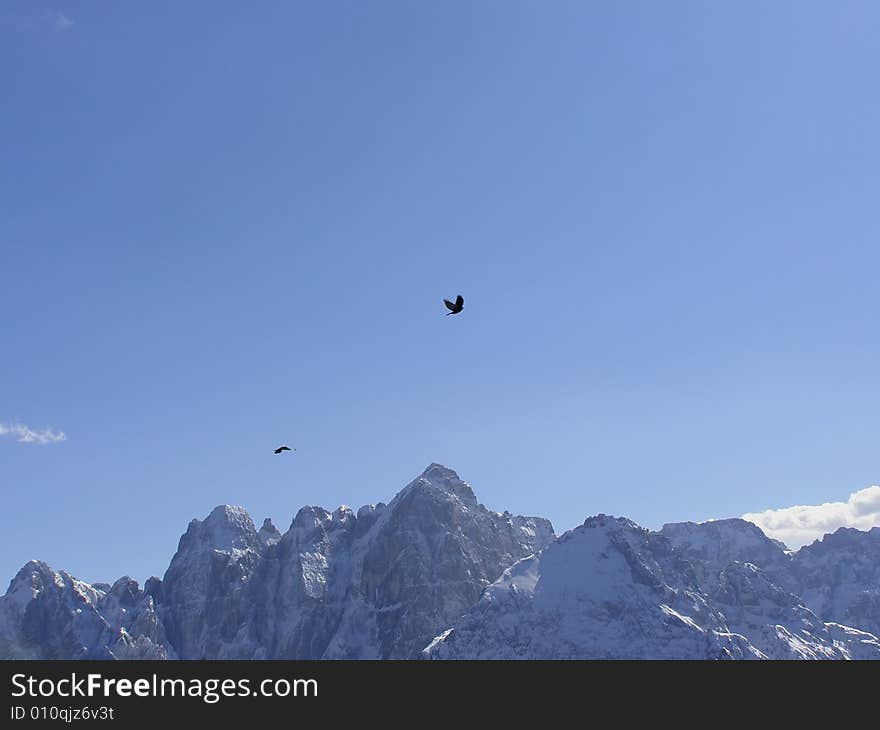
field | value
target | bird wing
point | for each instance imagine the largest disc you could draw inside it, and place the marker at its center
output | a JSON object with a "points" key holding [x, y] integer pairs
{"points": [[459, 301], [449, 305]]}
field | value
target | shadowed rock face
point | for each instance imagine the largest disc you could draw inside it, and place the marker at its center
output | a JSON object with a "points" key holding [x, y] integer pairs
{"points": [[431, 558], [206, 593]]}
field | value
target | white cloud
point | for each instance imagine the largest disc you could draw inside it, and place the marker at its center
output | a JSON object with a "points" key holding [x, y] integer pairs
{"points": [[61, 23], [26, 435], [802, 524]]}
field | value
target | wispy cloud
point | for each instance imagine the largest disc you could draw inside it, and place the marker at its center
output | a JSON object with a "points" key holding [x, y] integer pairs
{"points": [[61, 23], [36, 21], [26, 435], [802, 524]]}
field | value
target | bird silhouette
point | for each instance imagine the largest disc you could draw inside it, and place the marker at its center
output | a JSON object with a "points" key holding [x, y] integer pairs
{"points": [[283, 448], [456, 307]]}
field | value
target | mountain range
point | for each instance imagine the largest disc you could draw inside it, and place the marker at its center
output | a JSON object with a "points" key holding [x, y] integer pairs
{"points": [[434, 574]]}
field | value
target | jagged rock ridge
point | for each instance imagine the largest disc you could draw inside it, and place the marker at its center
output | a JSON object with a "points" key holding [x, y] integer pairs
{"points": [[612, 590], [435, 574], [376, 584]]}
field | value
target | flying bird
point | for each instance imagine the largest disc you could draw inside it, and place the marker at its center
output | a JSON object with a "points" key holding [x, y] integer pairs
{"points": [[456, 307], [283, 448]]}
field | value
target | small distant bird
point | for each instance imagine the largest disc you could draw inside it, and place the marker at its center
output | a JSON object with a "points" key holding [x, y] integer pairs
{"points": [[456, 307], [283, 448]]}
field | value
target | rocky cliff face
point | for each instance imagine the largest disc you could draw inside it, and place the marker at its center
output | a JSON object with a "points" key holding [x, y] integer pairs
{"points": [[206, 598], [435, 574]]}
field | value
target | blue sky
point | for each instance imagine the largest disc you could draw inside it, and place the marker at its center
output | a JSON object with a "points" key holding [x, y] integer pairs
{"points": [[227, 226]]}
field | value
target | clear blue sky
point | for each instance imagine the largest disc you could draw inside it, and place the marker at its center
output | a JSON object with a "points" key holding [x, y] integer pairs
{"points": [[230, 225]]}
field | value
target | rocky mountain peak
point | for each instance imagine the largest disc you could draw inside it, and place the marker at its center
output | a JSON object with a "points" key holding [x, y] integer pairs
{"points": [[229, 527], [268, 533], [34, 577], [611, 524], [847, 537], [310, 517], [440, 481], [741, 532], [126, 591]]}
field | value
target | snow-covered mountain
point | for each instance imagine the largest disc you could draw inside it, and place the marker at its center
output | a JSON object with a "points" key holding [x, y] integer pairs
{"points": [[837, 577], [606, 590], [377, 584], [51, 615], [612, 590], [434, 574], [712, 546]]}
